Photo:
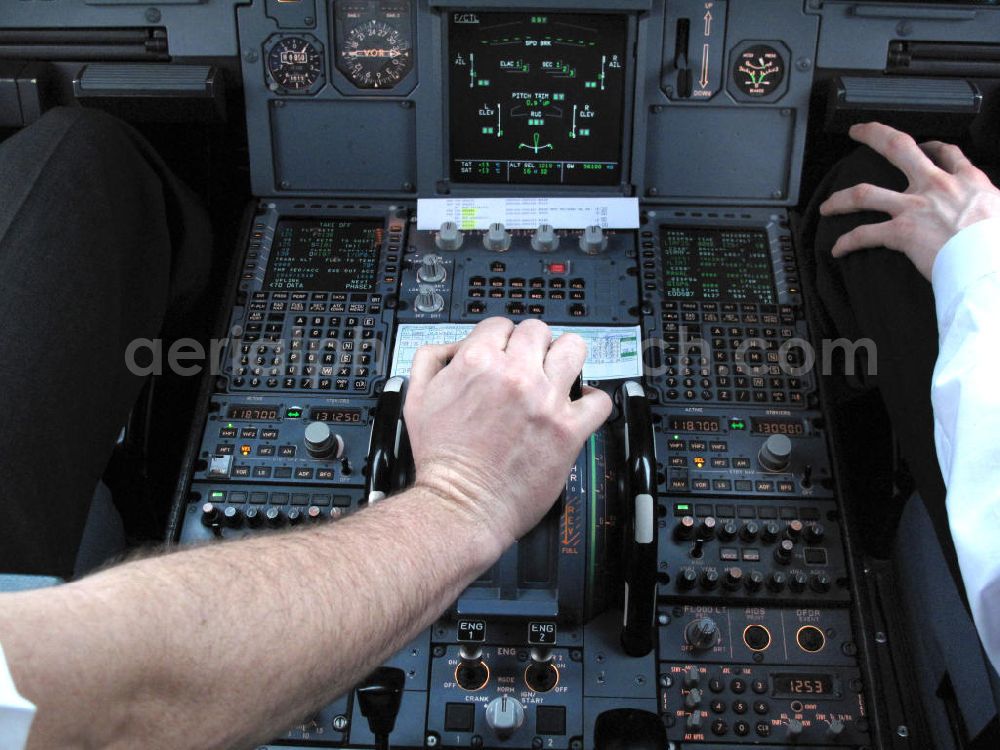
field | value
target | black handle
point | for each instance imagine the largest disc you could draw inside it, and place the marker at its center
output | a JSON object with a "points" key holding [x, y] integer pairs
{"points": [[379, 698], [387, 437], [640, 520]]}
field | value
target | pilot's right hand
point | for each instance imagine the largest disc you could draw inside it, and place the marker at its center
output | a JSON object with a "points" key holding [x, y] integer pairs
{"points": [[491, 424], [946, 194]]}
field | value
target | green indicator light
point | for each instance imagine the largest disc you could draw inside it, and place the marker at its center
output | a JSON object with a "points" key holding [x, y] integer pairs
{"points": [[229, 424], [683, 506], [677, 437], [218, 494], [737, 424], [293, 413]]}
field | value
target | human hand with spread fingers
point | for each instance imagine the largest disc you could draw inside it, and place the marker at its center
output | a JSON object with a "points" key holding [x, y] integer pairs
{"points": [[946, 194]]}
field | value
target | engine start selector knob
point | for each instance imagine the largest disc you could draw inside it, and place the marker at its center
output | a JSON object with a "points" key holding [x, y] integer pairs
{"points": [[428, 300], [431, 270], [497, 238], [449, 237], [322, 442], [504, 715], [776, 453]]}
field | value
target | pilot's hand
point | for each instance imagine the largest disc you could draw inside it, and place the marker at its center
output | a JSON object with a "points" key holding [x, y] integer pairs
{"points": [[945, 195], [491, 423]]}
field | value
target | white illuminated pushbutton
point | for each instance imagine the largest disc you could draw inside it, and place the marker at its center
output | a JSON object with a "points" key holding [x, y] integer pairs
{"points": [[431, 269], [322, 442], [504, 715], [497, 238], [593, 241], [428, 300], [545, 239], [776, 453], [449, 237]]}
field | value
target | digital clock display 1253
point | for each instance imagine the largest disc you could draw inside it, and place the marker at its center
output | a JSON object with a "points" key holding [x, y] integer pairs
{"points": [[803, 685]]}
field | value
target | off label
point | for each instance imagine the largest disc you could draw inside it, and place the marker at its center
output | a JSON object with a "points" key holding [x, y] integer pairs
{"points": [[471, 631], [541, 633]]}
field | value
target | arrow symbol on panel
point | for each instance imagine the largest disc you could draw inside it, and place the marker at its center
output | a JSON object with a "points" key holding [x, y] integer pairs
{"points": [[708, 23], [704, 66]]}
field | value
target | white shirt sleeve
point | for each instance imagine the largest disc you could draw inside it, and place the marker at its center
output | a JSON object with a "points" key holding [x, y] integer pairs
{"points": [[16, 714], [965, 392]]}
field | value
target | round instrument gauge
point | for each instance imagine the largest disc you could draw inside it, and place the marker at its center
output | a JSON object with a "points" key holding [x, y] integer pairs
{"points": [[294, 63], [374, 55], [759, 70]]}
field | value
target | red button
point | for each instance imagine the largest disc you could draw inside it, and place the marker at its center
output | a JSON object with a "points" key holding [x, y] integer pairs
{"points": [[557, 268]]}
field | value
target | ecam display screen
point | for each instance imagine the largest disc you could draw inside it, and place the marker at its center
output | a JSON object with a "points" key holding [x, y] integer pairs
{"points": [[729, 265], [536, 97], [313, 255]]}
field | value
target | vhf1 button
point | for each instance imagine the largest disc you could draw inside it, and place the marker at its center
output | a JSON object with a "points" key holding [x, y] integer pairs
{"points": [[471, 631], [541, 633]]}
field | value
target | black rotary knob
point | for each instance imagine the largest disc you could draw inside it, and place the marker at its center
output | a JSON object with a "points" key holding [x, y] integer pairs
{"points": [[254, 517], [733, 579], [687, 579], [820, 583], [709, 580], [814, 533], [685, 528], [777, 581], [702, 634], [754, 580], [783, 552], [275, 518], [794, 529], [797, 582], [706, 529], [294, 516], [232, 517], [749, 531], [209, 514], [728, 530], [769, 532]]}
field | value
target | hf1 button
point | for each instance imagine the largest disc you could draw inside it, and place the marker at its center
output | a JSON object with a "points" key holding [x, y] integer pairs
{"points": [[322, 442]]}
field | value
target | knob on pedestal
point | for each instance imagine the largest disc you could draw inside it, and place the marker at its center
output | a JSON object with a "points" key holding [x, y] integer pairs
{"points": [[209, 514], [702, 634], [449, 237], [428, 300], [835, 729], [692, 677], [504, 715], [593, 241], [322, 442], [497, 238], [545, 239], [794, 730], [431, 270], [776, 453]]}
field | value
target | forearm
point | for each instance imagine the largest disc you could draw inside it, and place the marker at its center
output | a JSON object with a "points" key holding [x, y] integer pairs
{"points": [[966, 281], [156, 652]]}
